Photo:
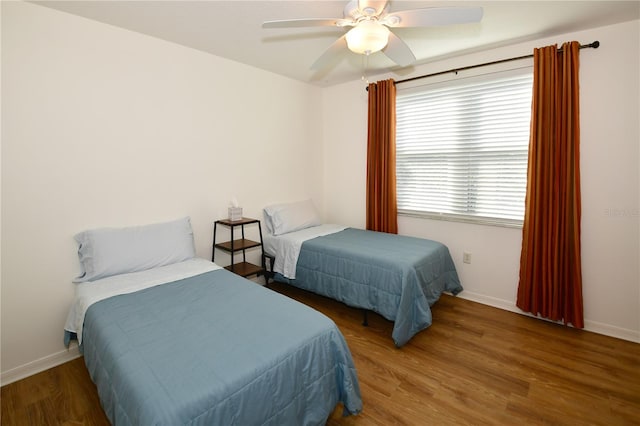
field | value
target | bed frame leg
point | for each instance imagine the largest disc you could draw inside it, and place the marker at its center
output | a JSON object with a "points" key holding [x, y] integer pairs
{"points": [[365, 319]]}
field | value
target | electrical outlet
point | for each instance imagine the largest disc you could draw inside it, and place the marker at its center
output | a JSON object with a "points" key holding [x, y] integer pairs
{"points": [[466, 257]]}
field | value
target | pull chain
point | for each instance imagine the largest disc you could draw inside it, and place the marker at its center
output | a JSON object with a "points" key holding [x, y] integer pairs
{"points": [[365, 64]]}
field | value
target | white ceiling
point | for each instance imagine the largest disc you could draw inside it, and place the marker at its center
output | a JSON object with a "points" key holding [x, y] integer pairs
{"points": [[232, 29]]}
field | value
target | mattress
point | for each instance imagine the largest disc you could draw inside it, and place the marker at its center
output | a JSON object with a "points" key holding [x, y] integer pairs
{"points": [[215, 348], [397, 276]]}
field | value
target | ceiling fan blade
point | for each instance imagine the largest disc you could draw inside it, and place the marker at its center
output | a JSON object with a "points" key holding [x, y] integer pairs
{"points": [[398, 51], [369, 5], [432, 17], [330, 55], [307, 22]]}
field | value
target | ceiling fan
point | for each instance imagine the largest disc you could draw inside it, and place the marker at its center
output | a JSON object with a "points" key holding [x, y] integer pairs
{"points": [[370, 22]]}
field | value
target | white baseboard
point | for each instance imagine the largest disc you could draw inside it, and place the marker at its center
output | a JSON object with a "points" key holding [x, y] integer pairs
{"points": [[592, 326], [39, 365], [490, 301], [612, 331]]}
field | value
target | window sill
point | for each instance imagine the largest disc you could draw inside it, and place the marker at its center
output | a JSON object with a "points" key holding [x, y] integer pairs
{"points": [[504, 223]]}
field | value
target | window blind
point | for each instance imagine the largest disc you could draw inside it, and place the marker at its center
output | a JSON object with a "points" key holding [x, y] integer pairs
{"points": [[461, 148]]}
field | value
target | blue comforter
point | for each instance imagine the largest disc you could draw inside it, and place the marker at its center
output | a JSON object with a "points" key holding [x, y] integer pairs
{"points": [[397, 276], [216, 349]]}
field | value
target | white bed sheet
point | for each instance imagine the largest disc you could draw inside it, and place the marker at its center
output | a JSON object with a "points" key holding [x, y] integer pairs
{"points": [[88, 293], [286, 247]]}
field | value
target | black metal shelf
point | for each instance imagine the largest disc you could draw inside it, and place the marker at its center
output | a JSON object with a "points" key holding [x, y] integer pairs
{"points": [[233, 246]]}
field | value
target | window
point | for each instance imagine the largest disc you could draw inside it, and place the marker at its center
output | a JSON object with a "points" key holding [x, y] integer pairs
{"points": [[461, 148]]}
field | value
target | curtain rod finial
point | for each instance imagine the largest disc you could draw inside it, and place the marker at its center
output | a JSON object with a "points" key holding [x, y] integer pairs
{"points": [[595, 44]]}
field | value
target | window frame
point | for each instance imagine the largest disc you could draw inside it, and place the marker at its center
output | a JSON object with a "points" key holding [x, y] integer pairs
{"points": [[451, 80]]}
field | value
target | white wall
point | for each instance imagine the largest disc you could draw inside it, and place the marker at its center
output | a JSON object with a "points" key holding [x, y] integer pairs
{"points": [[610, 111], [106, 127]]}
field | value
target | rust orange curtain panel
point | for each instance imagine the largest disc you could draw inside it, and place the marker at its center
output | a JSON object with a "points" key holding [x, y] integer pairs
{"points": [[550, 265], [382, 210]]}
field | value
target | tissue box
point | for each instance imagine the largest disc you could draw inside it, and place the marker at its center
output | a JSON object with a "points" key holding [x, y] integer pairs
{"points": [[235, 213]]}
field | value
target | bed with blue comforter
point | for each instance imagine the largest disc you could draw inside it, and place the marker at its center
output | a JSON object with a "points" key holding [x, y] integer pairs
{"points": [[213, 349], [397, 276]]}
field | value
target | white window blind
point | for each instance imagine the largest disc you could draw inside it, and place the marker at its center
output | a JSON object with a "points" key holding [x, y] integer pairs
{"points": [[461, 148]]}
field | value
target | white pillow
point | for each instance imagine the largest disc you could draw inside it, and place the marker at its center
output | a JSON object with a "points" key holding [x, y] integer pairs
{"points": [[111, 251], [283, 218]]}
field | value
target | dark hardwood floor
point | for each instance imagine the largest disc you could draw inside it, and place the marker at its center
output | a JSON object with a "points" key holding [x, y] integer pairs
{"points": [[475, 365]]}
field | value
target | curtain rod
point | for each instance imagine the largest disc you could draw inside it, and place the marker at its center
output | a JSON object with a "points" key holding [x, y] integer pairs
{"points": [[593, 45]]}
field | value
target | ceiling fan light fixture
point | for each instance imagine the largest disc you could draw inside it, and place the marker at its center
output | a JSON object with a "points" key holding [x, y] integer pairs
{"points": [[367, 37]]}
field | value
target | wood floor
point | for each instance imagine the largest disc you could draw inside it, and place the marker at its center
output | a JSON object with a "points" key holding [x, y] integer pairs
{"points": [[475, 365]]}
